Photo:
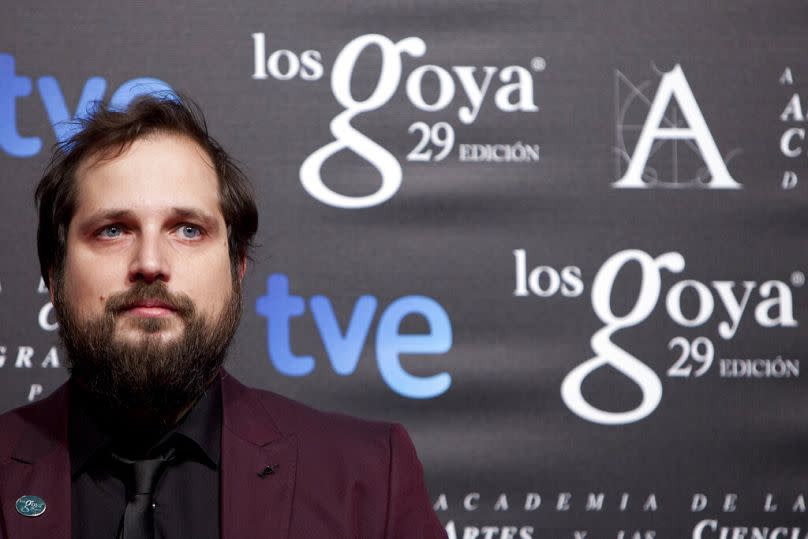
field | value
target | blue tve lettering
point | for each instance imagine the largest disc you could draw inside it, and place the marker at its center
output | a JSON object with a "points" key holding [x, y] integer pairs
{"points": [[278, 307], [58, 114], [390, 344], [344, 348], [13, 86]]}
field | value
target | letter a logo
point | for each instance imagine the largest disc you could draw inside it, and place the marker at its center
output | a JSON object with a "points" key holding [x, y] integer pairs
{"points": [[658, 127]]}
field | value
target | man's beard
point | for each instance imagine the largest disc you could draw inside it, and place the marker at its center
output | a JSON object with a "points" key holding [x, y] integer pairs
{"points": [[142, 385]]}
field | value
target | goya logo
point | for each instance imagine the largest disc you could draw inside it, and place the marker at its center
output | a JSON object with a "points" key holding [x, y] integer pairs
{"points": [[14, 87], [769, 303], [344, 347], [510, 87]]}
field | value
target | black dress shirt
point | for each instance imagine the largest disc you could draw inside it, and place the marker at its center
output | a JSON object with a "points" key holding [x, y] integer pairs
{"points": [[186, 497]]}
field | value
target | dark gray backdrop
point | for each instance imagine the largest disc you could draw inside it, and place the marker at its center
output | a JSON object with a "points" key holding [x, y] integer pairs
{"points": [[450, 231]]}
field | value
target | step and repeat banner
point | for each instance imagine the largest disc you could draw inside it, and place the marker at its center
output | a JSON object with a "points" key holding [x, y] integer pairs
{"points": [[563, 242]]}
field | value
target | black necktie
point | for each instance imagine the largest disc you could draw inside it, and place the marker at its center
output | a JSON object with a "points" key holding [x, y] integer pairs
{"points": [[138, 519]]}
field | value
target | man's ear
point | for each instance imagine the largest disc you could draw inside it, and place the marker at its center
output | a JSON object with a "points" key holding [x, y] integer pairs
{"points": [[242, 268]]}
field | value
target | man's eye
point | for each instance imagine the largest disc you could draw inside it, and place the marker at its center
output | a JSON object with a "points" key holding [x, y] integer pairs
{"points": [[189, 232], [111, 231]]}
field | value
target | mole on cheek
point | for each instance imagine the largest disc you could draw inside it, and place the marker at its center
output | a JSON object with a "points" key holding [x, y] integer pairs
{"points": [[101, 299]]}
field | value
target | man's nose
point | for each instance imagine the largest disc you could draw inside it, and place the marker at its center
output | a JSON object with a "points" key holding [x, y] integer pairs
{"points": [[150, 261]]}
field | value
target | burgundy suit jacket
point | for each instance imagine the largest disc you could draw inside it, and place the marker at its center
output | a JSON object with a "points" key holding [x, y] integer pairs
{"points": [[336, 476]]}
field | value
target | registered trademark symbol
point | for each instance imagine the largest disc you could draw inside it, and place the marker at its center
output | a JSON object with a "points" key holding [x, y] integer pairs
{"points": [[538, 63], [798, 278]]}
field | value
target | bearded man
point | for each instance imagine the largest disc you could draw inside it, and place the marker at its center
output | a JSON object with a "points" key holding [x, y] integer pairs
{"points": [[145, 226]]}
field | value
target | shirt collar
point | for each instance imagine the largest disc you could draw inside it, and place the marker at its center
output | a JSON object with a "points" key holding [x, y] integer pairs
{"points": [[198, 432], [202, 425]]}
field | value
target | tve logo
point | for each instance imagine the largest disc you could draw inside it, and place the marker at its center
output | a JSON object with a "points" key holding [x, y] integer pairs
{"points": [[343, 348], [13, 86]]}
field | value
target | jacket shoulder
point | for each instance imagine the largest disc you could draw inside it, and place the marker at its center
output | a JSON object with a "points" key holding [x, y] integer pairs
{"points": [[12, 425], [45, 418], [294, 417], [374, 462]]}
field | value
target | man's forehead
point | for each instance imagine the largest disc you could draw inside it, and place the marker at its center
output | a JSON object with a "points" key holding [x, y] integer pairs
{"points": [[109, 153], [166, 170]]}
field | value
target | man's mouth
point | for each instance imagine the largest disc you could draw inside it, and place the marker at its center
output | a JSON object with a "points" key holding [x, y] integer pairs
{"points": [[150, 309], [150, 301]]}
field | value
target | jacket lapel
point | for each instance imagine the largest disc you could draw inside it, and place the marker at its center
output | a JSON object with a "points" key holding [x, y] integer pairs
{"points": [[39, 465], [255, 501]]}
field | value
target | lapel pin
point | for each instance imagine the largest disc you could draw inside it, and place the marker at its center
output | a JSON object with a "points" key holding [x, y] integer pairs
{"points": [[268, 470], [30, 506]]}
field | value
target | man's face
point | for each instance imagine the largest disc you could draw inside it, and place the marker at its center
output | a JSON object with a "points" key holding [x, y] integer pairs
{"points": [[147, 277], [149, 215]]}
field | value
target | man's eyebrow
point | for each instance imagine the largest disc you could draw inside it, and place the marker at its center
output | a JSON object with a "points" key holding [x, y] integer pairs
{"points": [[196, 215], [113, 214], [122, 214]]}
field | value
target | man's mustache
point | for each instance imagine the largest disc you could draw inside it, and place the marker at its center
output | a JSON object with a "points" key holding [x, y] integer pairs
{"points": [[155, 291]]}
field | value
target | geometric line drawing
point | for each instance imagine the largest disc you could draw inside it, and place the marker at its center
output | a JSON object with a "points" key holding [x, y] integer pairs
{"points": [[628, 97]]}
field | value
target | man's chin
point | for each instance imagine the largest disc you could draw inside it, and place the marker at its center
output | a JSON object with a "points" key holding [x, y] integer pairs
{"points": [[130, 329], [146, 365]]}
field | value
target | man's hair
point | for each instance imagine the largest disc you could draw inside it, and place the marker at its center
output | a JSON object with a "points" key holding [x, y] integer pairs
{"points": [[107, 132]]}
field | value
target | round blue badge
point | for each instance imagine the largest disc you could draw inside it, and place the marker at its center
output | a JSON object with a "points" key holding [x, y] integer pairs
{"points": [[30, 506]]}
